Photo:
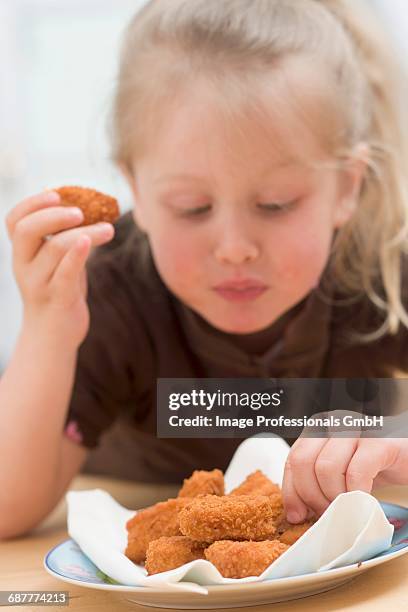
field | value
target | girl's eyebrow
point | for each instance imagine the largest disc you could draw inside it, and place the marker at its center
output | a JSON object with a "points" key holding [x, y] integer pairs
{"points": [[192, 178], [178, 177]]}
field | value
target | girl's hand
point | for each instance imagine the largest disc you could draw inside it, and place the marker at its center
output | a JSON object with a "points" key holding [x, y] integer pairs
{"points": [[317, 470], [49, 256]]}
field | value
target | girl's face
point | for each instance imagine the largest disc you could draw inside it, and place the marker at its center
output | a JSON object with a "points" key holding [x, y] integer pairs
{"points": [[238, 233]]}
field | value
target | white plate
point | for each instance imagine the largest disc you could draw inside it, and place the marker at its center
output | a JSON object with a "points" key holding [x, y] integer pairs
{"points": [[68, 563]]}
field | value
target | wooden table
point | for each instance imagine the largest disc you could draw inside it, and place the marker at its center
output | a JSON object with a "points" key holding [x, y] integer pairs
{"points": [[21, 563]]}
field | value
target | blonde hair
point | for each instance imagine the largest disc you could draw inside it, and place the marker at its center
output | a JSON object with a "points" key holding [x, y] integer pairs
{"points": [[230, 42]]}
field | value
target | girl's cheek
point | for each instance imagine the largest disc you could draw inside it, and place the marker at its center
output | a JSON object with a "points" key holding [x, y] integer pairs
{"points": [[177, 257], [302, 260]]}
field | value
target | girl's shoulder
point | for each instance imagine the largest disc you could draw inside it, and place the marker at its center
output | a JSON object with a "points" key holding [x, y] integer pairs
{"points": [[126, 260], [364, 314], [127, 239], [360, 342]]}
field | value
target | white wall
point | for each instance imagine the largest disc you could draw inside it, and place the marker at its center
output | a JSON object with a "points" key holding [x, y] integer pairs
{"points": [[394, 14]]}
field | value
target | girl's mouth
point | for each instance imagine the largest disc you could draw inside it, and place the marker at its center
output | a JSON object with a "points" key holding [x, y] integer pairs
{"points": [[240, 290]]}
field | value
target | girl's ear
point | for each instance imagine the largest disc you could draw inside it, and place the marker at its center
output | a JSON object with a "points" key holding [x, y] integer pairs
{"points": [[137, 207], [350, 184]]}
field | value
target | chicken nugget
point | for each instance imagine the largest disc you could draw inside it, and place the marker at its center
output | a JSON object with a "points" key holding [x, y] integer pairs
{"points": [[256, 484], [276, 501], [150, 524], [167, 553], [289, 533], [95, 205], [210, 517], [242, 559], [203, 483]]}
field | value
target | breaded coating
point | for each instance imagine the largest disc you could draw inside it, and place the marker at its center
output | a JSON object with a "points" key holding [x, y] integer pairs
{"points": [[289, 533], [152, 523], [256, 484], [95, 205], [276, 501], [167, 553], [242, 559], [210, 518], [203, 483]]}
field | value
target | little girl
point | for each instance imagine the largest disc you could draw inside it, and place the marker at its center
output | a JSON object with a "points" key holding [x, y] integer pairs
{"points": [[264, 148]]}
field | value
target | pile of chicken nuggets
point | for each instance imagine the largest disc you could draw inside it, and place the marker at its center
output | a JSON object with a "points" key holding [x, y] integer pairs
{"points": [[241, 533]]}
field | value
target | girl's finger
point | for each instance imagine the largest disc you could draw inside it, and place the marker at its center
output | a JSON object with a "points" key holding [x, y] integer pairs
{"points": [[70, 269], [29, 205], [29, 232], [332, 463], [371, 457], [84, 283], [396, 472], [295, 509], [302, 459], [55, 249]]}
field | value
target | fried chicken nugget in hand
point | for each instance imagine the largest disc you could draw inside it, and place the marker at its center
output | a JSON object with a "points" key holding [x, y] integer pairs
{"points": [[96, 206], [150, 524], [210, 518], [202, 482], [242, 559], [167, 553]]}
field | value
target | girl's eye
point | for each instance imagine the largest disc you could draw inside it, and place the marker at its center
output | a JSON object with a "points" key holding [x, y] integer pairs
{"points": [[276, 207], [196, 212], [269, 208]]}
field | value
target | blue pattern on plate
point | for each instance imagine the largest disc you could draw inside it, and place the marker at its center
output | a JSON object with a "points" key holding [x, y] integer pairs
{"points": [[398, 516], [67, 559]]}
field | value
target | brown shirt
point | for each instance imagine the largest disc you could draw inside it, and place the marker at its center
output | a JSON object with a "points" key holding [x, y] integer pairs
{"points": [[140, 331]]}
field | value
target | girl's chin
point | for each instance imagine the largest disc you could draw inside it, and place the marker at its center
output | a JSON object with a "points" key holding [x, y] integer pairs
{"points": [[237, 323], [240, 327], [242, 330]]}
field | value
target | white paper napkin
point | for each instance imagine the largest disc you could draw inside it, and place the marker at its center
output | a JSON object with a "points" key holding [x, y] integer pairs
{"points": [[354, 528]]}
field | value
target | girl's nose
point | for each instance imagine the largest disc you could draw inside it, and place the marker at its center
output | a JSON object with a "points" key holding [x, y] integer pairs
{"points": [[235, 247]]}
